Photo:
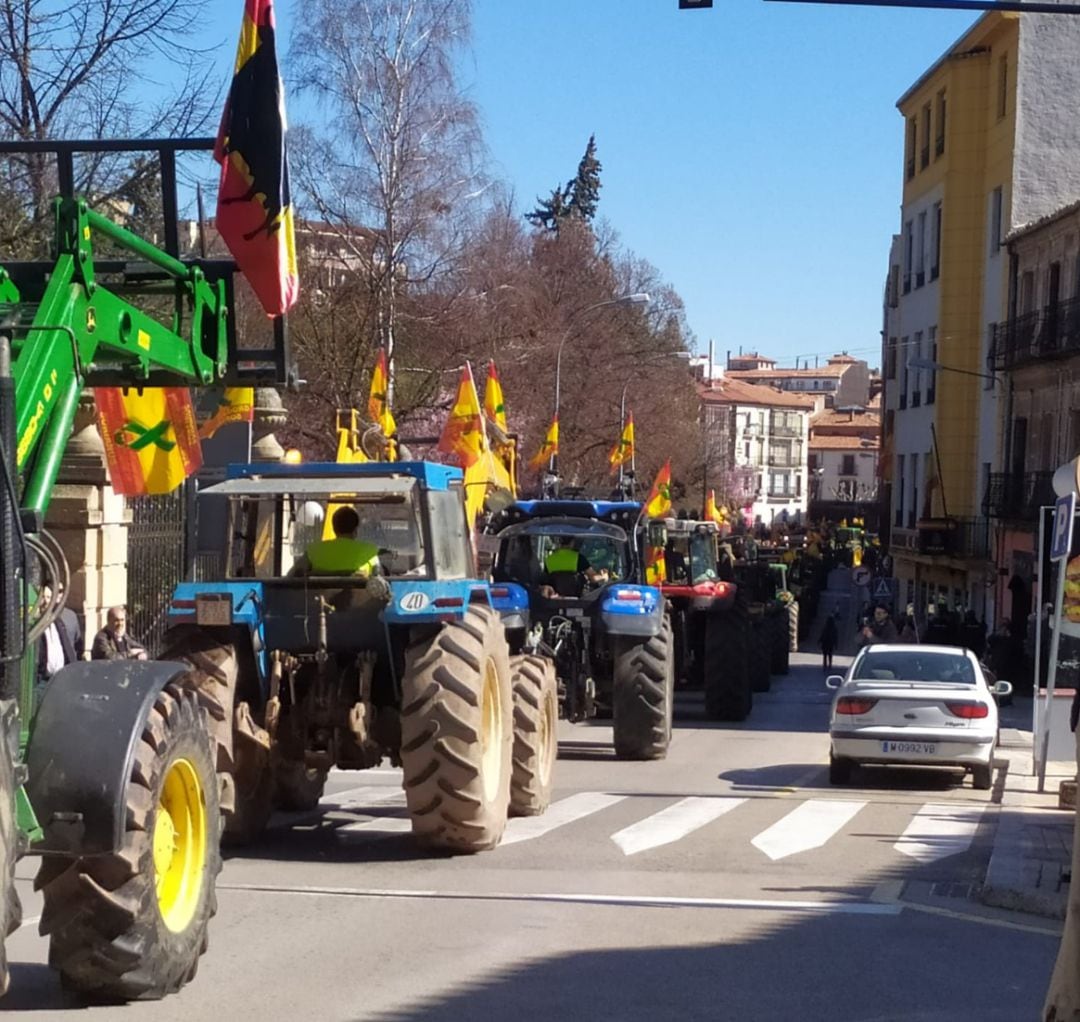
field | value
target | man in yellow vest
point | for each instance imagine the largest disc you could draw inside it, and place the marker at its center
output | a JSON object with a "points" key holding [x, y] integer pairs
{"points": [[344, 554], [566, 568]]}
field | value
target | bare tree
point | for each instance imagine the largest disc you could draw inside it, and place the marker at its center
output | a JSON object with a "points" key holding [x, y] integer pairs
{"points": [[78, 69], [398, 152]]}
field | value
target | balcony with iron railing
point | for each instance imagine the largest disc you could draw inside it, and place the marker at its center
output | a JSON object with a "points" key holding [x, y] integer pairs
{"points": [[1017, 496], [1051, 332], [782, 429], [963, 538]]}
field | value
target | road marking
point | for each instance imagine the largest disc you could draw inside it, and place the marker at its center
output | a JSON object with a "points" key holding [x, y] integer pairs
{"points": [[974, 917], [673, 823], [807, 826], [937, 831], [863, 908], [380, 826], [567, 810]]}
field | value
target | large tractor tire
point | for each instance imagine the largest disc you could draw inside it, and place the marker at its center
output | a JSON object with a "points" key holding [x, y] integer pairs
{"points": [[131, 925], [778, 642], [729, 694], [457, 726], [297, 787], [246, 786], [10, 909], [643, 696], [536, 742]]}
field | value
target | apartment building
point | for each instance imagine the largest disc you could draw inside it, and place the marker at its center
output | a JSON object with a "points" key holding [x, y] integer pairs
{"points": [[842, 382], [842, 464], [1036, 352], [990, 143], [765, 441]]}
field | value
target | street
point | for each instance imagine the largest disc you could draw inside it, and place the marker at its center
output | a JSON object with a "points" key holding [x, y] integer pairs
{"points": [[730, 881]]}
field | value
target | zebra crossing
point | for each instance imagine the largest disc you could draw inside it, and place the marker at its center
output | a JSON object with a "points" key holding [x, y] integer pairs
{"points": [[934, 831]]}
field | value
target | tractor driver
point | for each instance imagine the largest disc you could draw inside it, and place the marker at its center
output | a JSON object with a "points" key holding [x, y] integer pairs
{"points": [[564, 568], [342, 555]]}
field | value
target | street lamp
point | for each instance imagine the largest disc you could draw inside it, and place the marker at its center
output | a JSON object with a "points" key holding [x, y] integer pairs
{"points": [[637, 298], [933, 366]]}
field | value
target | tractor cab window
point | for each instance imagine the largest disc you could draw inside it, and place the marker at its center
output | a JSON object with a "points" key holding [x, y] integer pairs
{"points": [[450, 534], [702, 558], [546, 551]]}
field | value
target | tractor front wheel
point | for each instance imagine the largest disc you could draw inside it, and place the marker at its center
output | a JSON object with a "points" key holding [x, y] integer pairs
{"points": [[457, 730], [132, 924], [536, 744]]}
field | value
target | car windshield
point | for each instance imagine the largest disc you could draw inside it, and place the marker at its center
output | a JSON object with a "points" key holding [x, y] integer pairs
{"points": [[915, 665]]}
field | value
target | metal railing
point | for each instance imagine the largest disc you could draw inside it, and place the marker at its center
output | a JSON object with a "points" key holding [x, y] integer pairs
{"points": [[965, 538], [1053, 331], [1018, 495]]}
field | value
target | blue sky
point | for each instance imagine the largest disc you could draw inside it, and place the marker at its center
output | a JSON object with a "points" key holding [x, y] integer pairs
{"points": [[751, 152]]}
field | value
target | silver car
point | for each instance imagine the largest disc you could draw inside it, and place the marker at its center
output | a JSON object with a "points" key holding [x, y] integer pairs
{"points": [[915, 705]]}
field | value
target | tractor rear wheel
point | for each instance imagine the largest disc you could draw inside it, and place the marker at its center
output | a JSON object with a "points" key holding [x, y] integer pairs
{"points": [[536, 743], [779, 640], [729, 694], [457, 732], [10, 909], [760, 654], [642, 696], [132, 924]]}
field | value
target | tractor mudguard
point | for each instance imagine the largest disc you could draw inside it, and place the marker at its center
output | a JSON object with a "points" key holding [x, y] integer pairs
{"points": [[424, 601], [632, 610], [81, 746], [511, 601]]}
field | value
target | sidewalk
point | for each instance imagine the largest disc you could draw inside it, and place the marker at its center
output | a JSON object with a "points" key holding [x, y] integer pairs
{"points": [[1034, 839]]}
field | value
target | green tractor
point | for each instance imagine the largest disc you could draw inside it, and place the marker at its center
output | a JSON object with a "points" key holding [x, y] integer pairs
{"points": [[110, 771]]}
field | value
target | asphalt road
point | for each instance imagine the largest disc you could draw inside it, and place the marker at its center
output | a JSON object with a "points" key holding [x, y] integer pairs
{"points": [[730, 881]]}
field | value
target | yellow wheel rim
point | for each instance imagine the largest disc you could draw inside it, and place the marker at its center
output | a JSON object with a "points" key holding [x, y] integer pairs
{"points": [[549, 716], [179, 845], [491, 733]]}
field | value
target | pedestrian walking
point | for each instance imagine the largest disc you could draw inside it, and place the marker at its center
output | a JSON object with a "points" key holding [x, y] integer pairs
{"points": [[830, 635]]}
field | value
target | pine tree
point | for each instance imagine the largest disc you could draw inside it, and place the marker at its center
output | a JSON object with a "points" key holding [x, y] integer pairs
{"points": [[578, 198], [585, 188]]}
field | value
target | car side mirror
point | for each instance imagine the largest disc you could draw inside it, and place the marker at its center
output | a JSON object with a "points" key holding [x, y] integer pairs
{"points": [[834, 681], [1002, 688]]}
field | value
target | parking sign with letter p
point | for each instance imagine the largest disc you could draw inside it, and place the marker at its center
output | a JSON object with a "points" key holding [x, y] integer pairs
{"points": [[1061, 541]]}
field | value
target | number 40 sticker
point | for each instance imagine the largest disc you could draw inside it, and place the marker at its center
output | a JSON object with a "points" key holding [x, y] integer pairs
{"points": [[414, 601]]}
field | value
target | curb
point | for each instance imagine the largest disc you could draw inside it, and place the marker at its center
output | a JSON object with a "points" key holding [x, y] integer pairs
{"points": [[1018, 881]]}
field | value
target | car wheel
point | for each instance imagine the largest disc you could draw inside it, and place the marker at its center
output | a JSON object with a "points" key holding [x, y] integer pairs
{"points": [[839, 769], [982, 777]]}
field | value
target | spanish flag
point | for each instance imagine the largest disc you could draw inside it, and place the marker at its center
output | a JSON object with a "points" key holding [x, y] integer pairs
{"points": [[549, 448], [494, 402], [378, 404], [712, 512], [464, 436], [254, 208], [658, 503], [237, 405], [623, 451], [151, 440]]}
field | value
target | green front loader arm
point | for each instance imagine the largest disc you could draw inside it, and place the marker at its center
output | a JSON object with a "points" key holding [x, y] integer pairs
{"points": [[79, 323]]}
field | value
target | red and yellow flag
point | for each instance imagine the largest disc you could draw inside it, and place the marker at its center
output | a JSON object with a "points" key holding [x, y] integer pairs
{"points": [[549, 448], [254, 208], [658, 502], [464, 436], [494, 402], [712, 512], [151, 440], [378, 404], [623, 451], [237, 405]]}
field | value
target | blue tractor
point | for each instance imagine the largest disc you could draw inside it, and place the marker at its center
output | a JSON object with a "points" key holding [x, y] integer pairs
{"points": [[568, 580], [303, 671]]}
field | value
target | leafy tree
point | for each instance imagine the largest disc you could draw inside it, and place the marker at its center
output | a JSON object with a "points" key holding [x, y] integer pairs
{"points": [[577, 199]]}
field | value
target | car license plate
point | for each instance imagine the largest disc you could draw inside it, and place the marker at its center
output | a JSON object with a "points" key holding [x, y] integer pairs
{"points": [[918, 748]]}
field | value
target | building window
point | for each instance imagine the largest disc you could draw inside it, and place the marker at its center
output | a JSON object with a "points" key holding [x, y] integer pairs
{"points": [[847, 465], [939, 144], [920, 251], [917, 352], [908, 233], [812, 462], [898, 517], [931, 386], [890, 359], [894, 286], [935, 245], [909, 157], [924, 152], [905, 355], [1027, 292], [996, 213], [1003, 86]]}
